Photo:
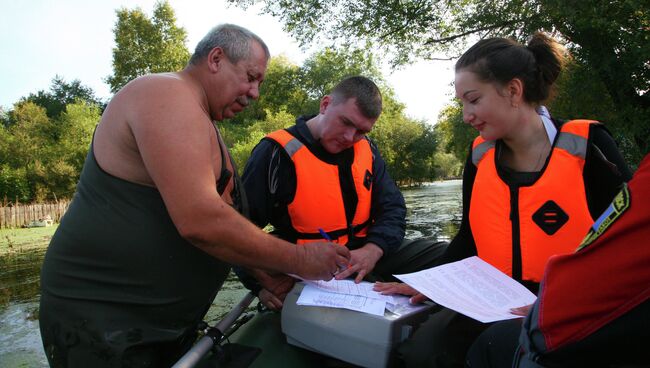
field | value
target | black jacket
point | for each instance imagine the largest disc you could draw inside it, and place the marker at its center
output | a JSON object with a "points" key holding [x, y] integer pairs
{"points": [[270, 183]]}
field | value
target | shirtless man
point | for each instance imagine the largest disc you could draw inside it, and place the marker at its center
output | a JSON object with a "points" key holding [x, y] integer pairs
{"points": [[150, 234]]}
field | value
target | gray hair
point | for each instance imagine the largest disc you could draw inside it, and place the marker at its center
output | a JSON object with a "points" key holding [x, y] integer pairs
{"points": [[234, 40]]}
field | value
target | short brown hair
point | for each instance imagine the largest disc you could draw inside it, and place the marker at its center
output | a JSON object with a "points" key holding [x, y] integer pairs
{"points": [[366, 92]]}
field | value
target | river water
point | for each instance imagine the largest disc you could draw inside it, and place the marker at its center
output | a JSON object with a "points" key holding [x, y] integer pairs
{"points": [[434, 211]]}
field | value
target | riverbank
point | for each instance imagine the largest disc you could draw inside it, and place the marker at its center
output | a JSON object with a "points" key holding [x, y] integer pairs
{"points": [[21, 240]]}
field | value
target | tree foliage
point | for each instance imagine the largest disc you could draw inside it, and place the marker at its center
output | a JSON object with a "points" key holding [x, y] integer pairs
{"points": [[42, 157], [455, 136], [60, 94], [611, 39], [290, 90], [147, 45]]}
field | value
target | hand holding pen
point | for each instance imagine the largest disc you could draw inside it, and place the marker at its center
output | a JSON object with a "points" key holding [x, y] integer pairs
{"points": [[326, 236]]}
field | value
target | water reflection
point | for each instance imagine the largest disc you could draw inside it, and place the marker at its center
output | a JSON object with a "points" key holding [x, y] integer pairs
{"points": [[20, 275], [20, 342], [434, 211]]}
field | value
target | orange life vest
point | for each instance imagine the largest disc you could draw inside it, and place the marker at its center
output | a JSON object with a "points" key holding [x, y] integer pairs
{"points": [[517, 228], [318, 202]]}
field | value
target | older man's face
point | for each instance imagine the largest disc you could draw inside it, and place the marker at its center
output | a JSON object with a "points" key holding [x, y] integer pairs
{"points": [[242, 82]]}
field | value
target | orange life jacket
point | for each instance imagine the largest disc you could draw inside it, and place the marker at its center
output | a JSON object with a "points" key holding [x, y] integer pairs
{"points": [[318, 202], [517, 229]]}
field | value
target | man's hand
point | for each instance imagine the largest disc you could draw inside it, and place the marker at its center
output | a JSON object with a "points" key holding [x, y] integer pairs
{"points": [[320, 261], [362, 262], [275, 287], [387, 288], [269, 300]]}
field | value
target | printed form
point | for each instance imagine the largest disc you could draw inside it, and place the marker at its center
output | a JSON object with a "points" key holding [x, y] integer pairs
{"points": [[472, 287], [358, 297]]}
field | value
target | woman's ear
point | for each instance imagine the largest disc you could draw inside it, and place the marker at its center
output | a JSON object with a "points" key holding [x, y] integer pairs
{"points": [[515, 91]]}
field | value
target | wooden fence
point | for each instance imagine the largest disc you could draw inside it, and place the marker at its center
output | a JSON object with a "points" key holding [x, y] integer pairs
{"points": [[22, 214]]}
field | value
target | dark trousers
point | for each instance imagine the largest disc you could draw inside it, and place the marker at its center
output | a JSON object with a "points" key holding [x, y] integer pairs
{"points": [[441, 341], [498, 346], [620, 343]]}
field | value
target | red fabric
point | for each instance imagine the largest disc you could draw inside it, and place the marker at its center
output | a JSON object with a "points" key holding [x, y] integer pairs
{"points": [[584, 291]]}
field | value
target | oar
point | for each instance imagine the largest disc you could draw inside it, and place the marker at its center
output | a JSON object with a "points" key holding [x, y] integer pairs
{"points": [[214, 334]]}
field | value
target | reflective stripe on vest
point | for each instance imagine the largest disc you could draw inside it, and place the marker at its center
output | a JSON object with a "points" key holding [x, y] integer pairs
{"points": [[524, 226], [318, 201]]}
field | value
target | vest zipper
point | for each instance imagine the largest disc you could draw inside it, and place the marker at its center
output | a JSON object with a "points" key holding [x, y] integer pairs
{"points": [[516, 235]]}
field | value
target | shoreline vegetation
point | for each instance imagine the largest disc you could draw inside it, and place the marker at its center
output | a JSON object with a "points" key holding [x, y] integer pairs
{"points": [[21, 240]]}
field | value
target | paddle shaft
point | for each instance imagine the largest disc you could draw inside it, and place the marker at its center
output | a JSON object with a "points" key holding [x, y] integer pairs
{"points": [[204, 345]]}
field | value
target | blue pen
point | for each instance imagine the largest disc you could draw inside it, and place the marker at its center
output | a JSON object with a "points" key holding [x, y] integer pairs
{"points": [[325, 235]]}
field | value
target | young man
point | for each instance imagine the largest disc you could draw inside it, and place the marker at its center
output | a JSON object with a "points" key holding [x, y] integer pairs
{"points": [[324, 174]]}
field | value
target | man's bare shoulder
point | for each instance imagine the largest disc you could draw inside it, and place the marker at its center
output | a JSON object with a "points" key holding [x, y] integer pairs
{"points": [[161, 85], [159, 96]]}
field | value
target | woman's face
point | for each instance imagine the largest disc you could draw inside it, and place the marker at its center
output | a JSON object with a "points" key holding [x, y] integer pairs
{"points": [[486, 108]]}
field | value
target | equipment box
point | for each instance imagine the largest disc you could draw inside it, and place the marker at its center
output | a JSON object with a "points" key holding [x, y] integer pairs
{"points": [[355, 337]]}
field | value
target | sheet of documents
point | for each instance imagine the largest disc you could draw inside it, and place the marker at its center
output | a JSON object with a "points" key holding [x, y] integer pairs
{"points": [[471, 287], [319, 294], [314, 296], [348, 287]]}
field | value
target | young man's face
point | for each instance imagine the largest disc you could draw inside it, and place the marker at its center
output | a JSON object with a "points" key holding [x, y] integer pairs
{"points": [[342, 124]]}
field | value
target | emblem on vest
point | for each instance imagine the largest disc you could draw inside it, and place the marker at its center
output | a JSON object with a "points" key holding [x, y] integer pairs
{"points": [[550, 217], [619, 205], [367, 179]]}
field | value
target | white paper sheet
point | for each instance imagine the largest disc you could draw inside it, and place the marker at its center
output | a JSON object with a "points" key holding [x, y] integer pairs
{"points": [[348, 287], [471, 287], [313, 296]]}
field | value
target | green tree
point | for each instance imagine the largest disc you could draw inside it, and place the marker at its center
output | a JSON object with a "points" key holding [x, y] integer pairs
{"points": [[611, 38], [406, 145], [145, 45], [290, 90], [13, 185], [447, 165], [298, 90], [32, 134], [4, 117], [581, 95], [455, 136], [60, 94], [41, 157], [242, 149], [77, 125]]}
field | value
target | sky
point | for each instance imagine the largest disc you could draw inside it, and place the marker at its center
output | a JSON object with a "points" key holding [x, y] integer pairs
{"points": [[40, 39]]}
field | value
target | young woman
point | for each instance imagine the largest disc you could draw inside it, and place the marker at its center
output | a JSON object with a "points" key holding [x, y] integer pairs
{"points": [[532, 184]]}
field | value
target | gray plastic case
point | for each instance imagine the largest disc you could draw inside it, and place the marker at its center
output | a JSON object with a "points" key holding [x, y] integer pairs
{"points": [[355, 337]]}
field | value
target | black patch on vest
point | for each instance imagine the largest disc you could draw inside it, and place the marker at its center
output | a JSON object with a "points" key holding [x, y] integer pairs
{"points": [[550, 217], [367, 180]]}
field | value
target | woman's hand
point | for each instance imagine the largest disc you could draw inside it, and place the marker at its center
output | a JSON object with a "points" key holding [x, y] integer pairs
{"points": [[388, 288], [521, 311]]}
